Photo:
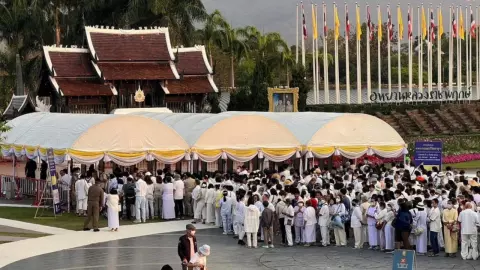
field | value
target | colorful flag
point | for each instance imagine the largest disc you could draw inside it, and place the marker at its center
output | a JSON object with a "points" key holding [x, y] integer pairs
{"points": [[325, 29], [314, 23], [379, 27], [410, 25], [400, 23], [472, 24], [462, 28], [347, 24], [454, 25], [390, 25], [337, 24], [359, 25], [432, 27], [369, 24], [424, 24], [304, 24], [440, 23]]}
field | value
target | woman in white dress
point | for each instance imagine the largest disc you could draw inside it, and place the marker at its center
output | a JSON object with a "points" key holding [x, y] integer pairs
{"points": [[210, 199], [113, 208], [420, 229], [168, 202]]}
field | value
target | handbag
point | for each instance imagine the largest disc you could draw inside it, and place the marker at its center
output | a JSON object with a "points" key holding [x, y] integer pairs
{"points": [[418, 231], [289, 222], [380, 225]]}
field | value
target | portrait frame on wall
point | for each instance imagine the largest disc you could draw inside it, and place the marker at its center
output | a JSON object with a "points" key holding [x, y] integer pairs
{"points": [[283, 99]]}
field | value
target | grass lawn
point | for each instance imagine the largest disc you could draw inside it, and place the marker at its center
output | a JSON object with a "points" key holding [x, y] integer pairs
{"points": [[66, 221], [475, 164]]}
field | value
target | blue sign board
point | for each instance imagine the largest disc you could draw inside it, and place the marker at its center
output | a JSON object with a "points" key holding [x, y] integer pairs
{"points": [[428, 153], [404, 259]]}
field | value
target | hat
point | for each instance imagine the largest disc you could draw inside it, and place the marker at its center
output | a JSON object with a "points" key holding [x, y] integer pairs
{"points": [[227, 183], [190, 227], [288, 182], [176, 177], [148, 174], [441, 174], [153, 178], [318, 171], [205, 250], [420, 205]]}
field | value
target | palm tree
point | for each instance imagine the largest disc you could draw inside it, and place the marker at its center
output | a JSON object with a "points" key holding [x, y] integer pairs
{"points": [[209, 35], [288, 60], [235, 47], [268, 46], [179, 15]]}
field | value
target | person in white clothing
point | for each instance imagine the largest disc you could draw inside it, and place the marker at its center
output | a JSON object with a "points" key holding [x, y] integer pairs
{"points": [[200, 209], [81, 189], [469, 221], [356, 224], [113, 207], [324, 221], [140, 200], [199, 259], [435, 220], [340, 236], [380, 218], [251, 222], [289, 214], [210, 201], [149, 197], [178, 194], [310, 223]]}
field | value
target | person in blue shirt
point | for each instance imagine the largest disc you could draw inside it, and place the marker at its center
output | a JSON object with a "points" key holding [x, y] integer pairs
{"points": [[403, 225]]}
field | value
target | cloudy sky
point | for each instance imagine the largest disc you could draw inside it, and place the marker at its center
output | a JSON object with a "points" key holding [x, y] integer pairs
{"points": [[279, 15]]}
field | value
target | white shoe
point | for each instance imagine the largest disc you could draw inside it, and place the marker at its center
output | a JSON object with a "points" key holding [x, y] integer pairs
{"points": [[224, 233]]}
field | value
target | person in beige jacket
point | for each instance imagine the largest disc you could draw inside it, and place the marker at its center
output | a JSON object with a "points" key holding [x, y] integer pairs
{"points": [[189, 186]]}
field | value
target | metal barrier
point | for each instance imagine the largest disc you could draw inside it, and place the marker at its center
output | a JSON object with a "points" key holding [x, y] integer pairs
{"points": [[30, 188]]}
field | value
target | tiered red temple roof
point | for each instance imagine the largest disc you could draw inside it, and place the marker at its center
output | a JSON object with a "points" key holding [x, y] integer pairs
{"points": [[196, 71], [72, 73]]}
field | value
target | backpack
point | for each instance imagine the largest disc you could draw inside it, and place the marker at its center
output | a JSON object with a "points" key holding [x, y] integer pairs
{"points": [[130, 191]]}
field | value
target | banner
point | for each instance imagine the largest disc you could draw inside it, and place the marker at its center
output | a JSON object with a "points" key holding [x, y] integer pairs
{"points": [[53, 178], [404, 259], [428, 153]]}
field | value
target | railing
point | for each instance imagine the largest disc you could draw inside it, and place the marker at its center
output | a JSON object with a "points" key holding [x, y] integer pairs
{"points": [[22, 188]]}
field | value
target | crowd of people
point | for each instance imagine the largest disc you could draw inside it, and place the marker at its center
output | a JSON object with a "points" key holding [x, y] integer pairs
{"points": [[378, 207]]}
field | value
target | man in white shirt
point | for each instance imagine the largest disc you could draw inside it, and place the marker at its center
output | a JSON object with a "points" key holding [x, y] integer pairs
{"points": [[469, 221], [324, 221], [140, 199], [435, 227], [81, 189], [178, 193]]}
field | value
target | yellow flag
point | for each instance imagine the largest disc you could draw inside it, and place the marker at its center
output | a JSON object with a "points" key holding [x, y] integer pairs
{"points": [[314, 23], [400, 23], [424, 24], [337, 24], [440, 24], [461, 31], [359, 25], [379, 33]]}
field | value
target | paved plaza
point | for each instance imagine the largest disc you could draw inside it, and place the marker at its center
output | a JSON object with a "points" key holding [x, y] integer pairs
{"points": [[153, 251]]}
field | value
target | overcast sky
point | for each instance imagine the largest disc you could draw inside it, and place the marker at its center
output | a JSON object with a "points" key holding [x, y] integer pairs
{"points": [[279, 15]]}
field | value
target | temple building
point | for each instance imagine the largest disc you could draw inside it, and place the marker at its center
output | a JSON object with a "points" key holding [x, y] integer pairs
{"points": [[116, 64]]}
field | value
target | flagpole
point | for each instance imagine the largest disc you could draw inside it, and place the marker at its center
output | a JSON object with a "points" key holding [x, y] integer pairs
{"points": [[439, 49], [347, 56], [388, 49], [359, 74], [369, 73], [337, 75], [450, 54], [313, 58], [296, 44], [467, 51], [317, 68], [399, 52], [459, 55], [303, 35], [429, 53], [477, 55], [420, 51], [325, 58], [379, 27], [409, 41], [470, 54]]}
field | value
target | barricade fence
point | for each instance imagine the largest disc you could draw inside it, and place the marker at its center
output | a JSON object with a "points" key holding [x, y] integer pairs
{"points": [[22, 188]]}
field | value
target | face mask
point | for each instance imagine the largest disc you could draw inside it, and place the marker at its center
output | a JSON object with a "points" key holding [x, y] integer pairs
{"points": [[444, 196], [389, 208], [337, 200], [300, 205], [449, 206], [396, 196]]}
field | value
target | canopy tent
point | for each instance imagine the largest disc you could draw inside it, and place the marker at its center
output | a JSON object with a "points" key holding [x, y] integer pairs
{"points": [[170, 137]]}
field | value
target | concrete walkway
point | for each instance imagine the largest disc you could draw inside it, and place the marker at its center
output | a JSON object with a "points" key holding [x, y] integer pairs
{"points": [[32, 227], [15, 251]]}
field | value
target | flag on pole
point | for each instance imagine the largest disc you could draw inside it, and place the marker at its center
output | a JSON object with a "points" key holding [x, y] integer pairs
{"points": [[314, 24], [454, 25], [304, 24], [400, 23], [359, 25], [337, 24], [410, 26], [390, 25], [424, 24], [432, 26], [325, 29], [369, 24], [440, 23], [379, 27], [347, 24], [472, 24], [462, 29]]}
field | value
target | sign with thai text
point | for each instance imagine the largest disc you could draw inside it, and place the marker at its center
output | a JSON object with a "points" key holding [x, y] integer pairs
{"points": [[53, 178], [428, 153], [403, 259], [436, 95]]}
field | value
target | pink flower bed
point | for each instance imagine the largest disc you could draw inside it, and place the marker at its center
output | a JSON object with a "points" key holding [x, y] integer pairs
{"points": [[460, 158]]}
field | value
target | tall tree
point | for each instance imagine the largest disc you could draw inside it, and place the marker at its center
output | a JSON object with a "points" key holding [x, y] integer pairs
{"points": [[235, 47], [209, 35]]}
